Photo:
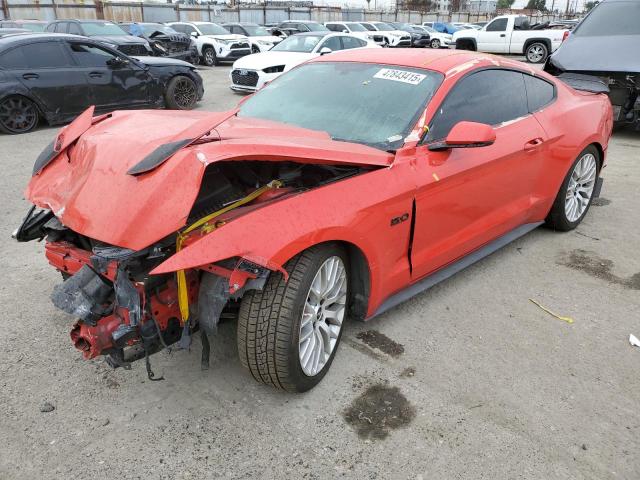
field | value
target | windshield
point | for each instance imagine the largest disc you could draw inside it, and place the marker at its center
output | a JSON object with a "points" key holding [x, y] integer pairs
{"points": [[34, 27], [376, 105], [211, 29], [151, 28], [429, 29], [356, 27], [369, 27], [256, 31], [316, 27], [102, 29], [383, 27], [298, 43], [617, 18]]}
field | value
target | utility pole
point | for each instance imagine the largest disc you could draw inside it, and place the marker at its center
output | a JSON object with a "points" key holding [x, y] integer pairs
{"points": [[5, 8]]}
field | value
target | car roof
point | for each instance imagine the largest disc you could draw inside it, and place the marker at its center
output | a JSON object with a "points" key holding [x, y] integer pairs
{"points": [[21, 38], [242, 24], [82, 21], [299, 21], [316, 34], [31, 20], [447, 62]]}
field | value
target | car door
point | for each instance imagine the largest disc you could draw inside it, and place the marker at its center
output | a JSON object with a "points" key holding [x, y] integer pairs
{"points": [[49, 74], [494, 37], [114, 80], [467, 197]]}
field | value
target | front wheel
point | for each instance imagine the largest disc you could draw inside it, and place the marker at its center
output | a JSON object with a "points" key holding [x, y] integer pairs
{"points": [[576, 192], [435, 43], [536, 52], [182, 93], [288, 333], [209, 57]]}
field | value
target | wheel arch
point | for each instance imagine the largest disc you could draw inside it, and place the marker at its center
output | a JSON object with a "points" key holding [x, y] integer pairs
{"points": [[460, 42], [20, 93], [529, 41]]}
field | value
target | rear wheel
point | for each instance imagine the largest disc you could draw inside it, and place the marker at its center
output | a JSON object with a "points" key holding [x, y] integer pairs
{"points": [[435, 43], [576, 192], [536, 52], [288, 333], [182, 93], [18, 115]]}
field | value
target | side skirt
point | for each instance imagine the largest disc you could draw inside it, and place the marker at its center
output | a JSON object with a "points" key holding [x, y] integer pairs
{"points": [[446, 272]]}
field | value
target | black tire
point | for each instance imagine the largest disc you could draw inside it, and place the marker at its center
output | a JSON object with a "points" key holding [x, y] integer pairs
{"points": [[435, 43], [181, 94], [557, 217], [209, 57], [255, 49], [537, 52], [269, 322], [18, 114]]}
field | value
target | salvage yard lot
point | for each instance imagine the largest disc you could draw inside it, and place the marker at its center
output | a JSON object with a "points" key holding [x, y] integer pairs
{"points": [[467, 380]]}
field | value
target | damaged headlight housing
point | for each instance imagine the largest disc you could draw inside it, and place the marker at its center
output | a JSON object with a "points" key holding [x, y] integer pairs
{"points": [[275, 69]]}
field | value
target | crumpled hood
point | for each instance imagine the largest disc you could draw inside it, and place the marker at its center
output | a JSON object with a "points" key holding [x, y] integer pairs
{"points": [[88, 188], [119, 39], [615, 53]]}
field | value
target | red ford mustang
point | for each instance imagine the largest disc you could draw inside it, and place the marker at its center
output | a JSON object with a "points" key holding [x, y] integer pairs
{"points": [[339, 190]]}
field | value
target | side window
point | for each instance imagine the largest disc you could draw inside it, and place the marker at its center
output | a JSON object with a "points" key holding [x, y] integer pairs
{"points": [[334, 27], [488, 96], [63, 27], [74, 29], [333, 43], [540, 93], [189, 29], [88, 55], [499, 25], [302, 27], [51, 27], [178, 27], [14, 58], [45, 55], [352, 42]]}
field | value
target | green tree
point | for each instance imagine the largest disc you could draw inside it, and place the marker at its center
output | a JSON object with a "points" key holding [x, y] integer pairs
{"points": [[540, 5], [589, 5], [504, 4]]}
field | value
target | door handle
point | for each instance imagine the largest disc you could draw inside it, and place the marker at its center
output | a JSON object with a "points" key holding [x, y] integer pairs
{"points": [[30, 76], [95, 74], [531, 144], [503, 34]]}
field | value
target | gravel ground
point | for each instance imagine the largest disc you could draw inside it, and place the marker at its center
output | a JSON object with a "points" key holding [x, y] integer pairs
{"points": [[468, 380]]}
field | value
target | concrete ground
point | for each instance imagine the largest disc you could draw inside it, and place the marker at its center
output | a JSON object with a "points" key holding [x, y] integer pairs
{"points": [[477, 381]]}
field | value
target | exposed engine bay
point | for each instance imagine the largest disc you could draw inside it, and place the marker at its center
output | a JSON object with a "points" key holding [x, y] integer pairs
{"points": [[127, 314]]}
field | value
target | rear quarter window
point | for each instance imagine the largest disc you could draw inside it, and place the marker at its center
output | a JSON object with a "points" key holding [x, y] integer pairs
{"points": [[540, 93]]}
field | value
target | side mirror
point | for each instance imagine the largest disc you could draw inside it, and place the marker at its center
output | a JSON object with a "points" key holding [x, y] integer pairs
{"points": [[117, 62], [345, 30], [325, 50], [194, 34], [466, 135]]}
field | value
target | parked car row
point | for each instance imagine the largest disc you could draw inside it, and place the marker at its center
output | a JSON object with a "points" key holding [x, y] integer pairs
{"points": [[53, 77]]}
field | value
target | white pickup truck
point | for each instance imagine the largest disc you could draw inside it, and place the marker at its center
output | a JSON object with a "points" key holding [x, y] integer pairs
{"points": [[511, 34]]}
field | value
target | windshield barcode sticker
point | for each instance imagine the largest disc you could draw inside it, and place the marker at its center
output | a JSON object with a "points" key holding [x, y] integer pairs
{"points": [[400, 76]]}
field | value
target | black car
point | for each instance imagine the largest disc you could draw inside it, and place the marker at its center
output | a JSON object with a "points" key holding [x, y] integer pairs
{"points": [[164, 40], [419, 38], [291, 27], [604, 46], [31, 25], [54, 77], [103, 31]]}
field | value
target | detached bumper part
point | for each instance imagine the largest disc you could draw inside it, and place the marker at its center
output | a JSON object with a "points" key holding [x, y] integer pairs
{"points": [[83, 295]]}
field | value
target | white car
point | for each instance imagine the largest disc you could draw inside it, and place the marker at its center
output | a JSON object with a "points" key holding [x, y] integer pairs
{"points": [[259, 37], [214, 43], [388, 36], [438, 39], [252, 72], [511, 34], [354, 28]]}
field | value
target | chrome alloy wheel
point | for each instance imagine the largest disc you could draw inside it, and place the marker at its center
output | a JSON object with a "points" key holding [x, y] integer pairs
{"points": [[322, 316], [536, 53], [580, 187]]}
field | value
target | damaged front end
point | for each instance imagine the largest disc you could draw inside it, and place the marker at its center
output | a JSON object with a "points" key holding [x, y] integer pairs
{"points": [[126, 313]]}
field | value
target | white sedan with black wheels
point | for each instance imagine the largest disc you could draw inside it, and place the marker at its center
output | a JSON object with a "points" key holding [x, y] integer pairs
{"points": [[250, 73]]}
